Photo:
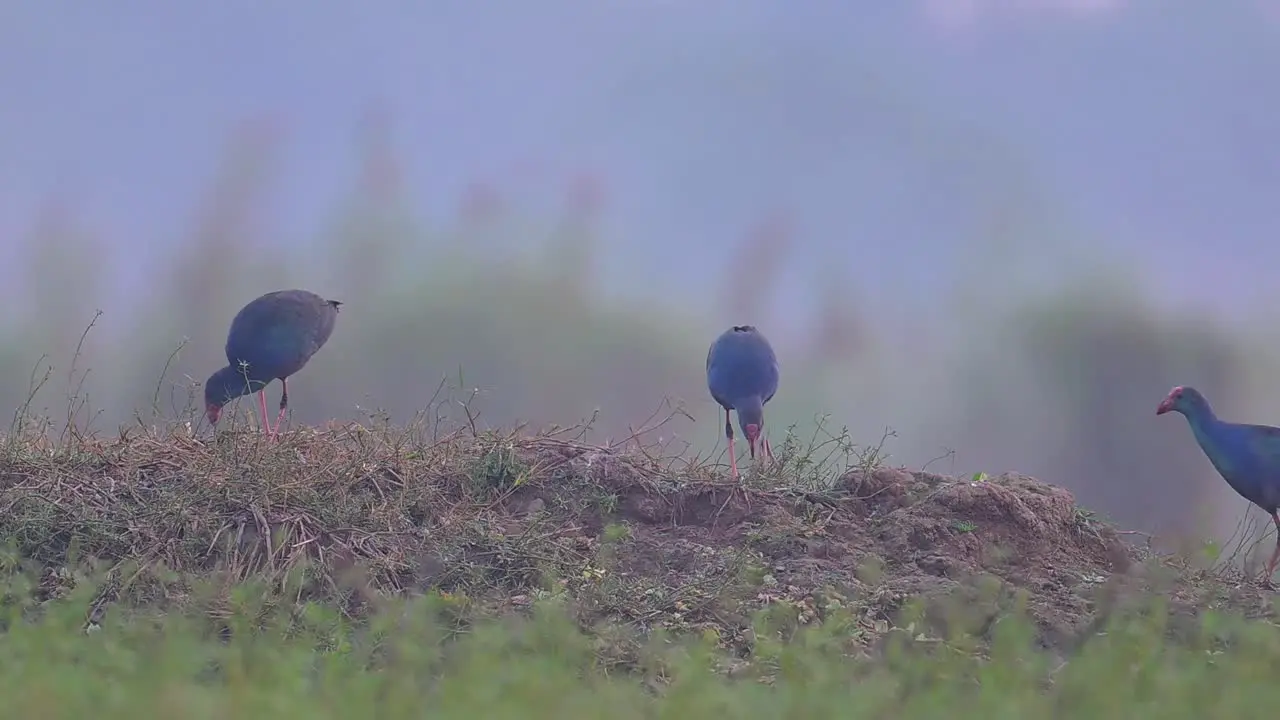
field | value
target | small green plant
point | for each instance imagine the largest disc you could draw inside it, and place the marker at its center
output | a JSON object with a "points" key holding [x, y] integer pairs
{"points": [[607, 502], [615, 532], [499, 469], [816, 462]]}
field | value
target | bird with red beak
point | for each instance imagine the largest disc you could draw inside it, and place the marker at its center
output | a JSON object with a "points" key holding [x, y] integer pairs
{"points": [[742, 375], [271, 338]]}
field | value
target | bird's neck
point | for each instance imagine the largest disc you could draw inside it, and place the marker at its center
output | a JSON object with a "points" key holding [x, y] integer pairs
{"points": [[1226, 445], [1206, 426], [228, 384], [750, 411]]}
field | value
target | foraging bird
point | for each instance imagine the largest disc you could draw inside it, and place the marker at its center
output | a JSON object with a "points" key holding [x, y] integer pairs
{"points": [[742, 375], [1247, 456], [272, 337]]}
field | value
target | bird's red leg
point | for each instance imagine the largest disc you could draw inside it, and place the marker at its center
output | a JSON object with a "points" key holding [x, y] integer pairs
{"points": [[1275, 554], [728, 433], [262, 405], [733, 459], [284, 403]]}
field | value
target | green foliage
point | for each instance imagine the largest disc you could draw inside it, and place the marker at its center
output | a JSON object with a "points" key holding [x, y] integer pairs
{"points": [[405, 661]]}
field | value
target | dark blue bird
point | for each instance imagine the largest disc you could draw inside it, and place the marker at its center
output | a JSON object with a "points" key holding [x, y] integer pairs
{"points": [[742, 375], [271, 337], [1247, 456]]}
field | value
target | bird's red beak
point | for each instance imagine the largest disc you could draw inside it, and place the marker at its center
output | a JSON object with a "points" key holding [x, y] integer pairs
{"points": [[212, 412], [1165, 406], [753, 432]]}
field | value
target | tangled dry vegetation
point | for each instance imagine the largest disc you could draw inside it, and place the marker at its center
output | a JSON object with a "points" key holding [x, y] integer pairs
{"points": [[632, 540]]}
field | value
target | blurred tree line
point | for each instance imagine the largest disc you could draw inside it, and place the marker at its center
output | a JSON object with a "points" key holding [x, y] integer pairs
{"points": [[1061, 382]]}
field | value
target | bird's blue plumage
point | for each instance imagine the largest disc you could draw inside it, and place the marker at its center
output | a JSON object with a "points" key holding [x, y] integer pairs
{"points": [[1247, 456], [742, 373], [271, 338]]}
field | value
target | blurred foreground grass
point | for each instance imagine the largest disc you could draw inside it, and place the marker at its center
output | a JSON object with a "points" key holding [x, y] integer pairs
{"points": [[409, 661]]}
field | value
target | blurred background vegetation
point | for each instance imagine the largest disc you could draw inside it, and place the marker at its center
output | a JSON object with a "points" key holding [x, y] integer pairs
{"points": [[1018, 338], [504, 301]]}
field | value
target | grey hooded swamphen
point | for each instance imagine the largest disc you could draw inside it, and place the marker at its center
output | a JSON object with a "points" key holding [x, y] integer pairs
{"points": [[1246, 456], [271, 338], [742, 375]]}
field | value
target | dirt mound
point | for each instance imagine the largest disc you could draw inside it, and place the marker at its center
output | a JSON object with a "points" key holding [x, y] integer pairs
{"points": [[497, 522], [884, 538]]}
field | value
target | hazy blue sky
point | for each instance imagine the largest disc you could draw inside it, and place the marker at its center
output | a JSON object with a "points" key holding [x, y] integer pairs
{"points": [[893, 138]]}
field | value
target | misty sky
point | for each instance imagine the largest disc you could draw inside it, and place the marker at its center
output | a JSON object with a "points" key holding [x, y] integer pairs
{"points": [[893, 134]]}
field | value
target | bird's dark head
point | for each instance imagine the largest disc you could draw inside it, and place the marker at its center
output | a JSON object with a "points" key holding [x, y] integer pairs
{"points": [[221, 388], [1184, 399]]}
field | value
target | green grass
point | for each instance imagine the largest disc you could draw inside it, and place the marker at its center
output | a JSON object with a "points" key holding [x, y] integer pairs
{"points": [[408, 661]]}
